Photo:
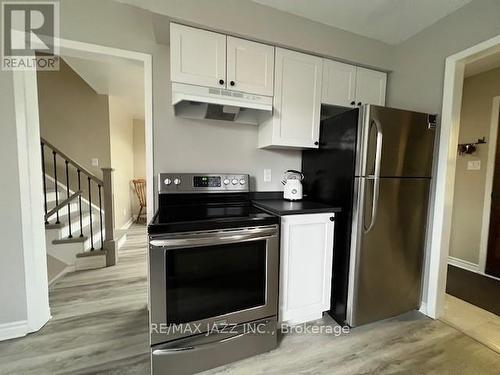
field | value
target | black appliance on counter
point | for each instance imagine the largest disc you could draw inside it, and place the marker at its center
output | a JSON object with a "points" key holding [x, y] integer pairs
{"points": [[213, 273]]}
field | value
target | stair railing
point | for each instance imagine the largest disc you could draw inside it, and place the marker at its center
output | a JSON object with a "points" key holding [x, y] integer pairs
{"points": [[104, 188]]}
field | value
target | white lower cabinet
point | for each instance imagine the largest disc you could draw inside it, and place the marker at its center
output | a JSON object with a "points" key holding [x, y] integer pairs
{"points": [[306, 266]]}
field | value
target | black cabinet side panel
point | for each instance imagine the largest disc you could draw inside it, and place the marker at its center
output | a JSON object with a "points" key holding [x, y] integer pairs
{"points": [[329, 178]]}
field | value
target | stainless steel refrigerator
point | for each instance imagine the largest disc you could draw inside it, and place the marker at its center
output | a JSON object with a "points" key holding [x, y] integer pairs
{"points": [[376, 163]]}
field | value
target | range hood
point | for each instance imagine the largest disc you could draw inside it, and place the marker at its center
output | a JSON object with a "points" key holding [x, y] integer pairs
{"points": [[198, 102]]}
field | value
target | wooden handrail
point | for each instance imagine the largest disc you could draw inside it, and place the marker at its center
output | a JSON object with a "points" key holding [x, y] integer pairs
{"points": [[62, 204], [72, 162], [104, 193]]}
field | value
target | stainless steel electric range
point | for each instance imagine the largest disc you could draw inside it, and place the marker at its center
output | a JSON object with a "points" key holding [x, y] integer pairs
{"points": [[213, 273]]}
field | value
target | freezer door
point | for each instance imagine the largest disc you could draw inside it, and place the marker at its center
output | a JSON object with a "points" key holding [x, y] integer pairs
{"points": [[387, 248], [406, 141]]}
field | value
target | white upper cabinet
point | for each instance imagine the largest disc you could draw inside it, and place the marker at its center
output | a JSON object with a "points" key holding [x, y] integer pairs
{"points": [[250, 66], [339, 84], [197, 56], [297, 102], [370, 87], [347, 85], [205, 58]]}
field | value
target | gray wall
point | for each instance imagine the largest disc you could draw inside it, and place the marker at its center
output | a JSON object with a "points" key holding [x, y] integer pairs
{"points": [[418, 69], [74, 119], [179, 144], [195, 146], [416, 83], [12, 281], [183, 145], [248, 19]]}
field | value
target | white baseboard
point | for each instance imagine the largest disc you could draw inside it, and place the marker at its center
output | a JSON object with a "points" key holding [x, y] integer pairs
{"points": [[90, 262], [469, 266], [128, 224], [13, 330], [491, 277], [121, 241], [460, 263], [423, 308], [61, 274]]}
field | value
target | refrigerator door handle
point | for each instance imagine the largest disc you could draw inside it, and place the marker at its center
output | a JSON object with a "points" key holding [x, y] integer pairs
{"points": [[376, 176]]}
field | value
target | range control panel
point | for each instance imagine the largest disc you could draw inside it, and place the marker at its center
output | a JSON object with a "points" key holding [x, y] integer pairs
{"points": [[202, 183]]}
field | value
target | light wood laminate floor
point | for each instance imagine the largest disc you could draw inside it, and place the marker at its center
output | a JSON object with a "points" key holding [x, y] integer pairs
{"points": [[475, 322], [99, 325]]}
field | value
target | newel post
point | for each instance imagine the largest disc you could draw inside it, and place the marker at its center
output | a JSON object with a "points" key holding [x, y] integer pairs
{"points": [[109, 217]]}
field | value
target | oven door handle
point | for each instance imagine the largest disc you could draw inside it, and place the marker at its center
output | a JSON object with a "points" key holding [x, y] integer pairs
{"points": [[216, 238], [199, 346], [238, 333]]}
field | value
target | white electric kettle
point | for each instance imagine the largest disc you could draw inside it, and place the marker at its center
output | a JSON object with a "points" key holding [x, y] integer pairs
{"points": [[293, 185]]}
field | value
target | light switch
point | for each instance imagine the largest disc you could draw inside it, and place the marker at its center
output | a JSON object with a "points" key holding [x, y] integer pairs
{"points": [[474, 165], [95, 162], [267, 175]]}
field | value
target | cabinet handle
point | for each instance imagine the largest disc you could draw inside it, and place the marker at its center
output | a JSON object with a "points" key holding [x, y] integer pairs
{"points": [[232, 83], [316, 143], [332, 218], [353, 102], [359, 104], [221, 81]]}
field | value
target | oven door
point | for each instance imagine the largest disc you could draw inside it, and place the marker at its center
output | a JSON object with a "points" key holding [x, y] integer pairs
{"points": [[199, 280]]}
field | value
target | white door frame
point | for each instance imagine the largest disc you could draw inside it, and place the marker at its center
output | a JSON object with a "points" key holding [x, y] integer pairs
{"points": [[490, 172], [29, 156], [445, 178]]}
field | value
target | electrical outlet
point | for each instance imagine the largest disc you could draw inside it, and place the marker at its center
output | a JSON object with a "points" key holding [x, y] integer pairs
{"points": [[474, 165], [95, 162], [267, 175]]}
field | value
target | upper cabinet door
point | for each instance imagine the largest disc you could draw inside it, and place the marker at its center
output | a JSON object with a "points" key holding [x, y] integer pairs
{"points": [[339, 83], [370, 87], [197, 56], [297, 99], [250, 66]]}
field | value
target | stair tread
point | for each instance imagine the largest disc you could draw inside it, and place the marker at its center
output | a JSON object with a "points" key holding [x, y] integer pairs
{"points": [[74, 239], [54, 226], [75, 216]]}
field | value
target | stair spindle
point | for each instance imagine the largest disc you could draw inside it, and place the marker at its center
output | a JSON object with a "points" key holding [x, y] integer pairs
{"points": [[44, 182], [100, 217], [80, 201], [67, 196], [90, 212], [55, 186]]}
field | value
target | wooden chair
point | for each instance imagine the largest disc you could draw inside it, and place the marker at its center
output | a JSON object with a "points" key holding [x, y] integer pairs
{"points": [[140, 190]]}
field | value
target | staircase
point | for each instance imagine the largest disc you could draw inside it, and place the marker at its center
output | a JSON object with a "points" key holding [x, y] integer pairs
{"points": [[78, 234]]}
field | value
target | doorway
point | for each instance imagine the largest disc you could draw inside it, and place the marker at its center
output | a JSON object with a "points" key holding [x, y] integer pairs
{"points": [[27, 123], [471, 301], [91, 114], [442, 199]]}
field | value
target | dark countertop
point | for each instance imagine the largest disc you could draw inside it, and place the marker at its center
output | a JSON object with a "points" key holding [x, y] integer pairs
{"points": [[282, 207]]}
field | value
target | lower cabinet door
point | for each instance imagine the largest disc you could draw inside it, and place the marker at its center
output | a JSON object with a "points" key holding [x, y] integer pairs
{"points": [[306, 266]]}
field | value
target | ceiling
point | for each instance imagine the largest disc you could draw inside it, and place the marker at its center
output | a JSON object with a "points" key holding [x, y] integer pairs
{"points": [[483, 65], [115, 76], [390, 21]]}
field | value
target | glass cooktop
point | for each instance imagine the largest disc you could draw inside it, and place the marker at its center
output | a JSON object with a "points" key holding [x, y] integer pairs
{"points": [[192, 216]]}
